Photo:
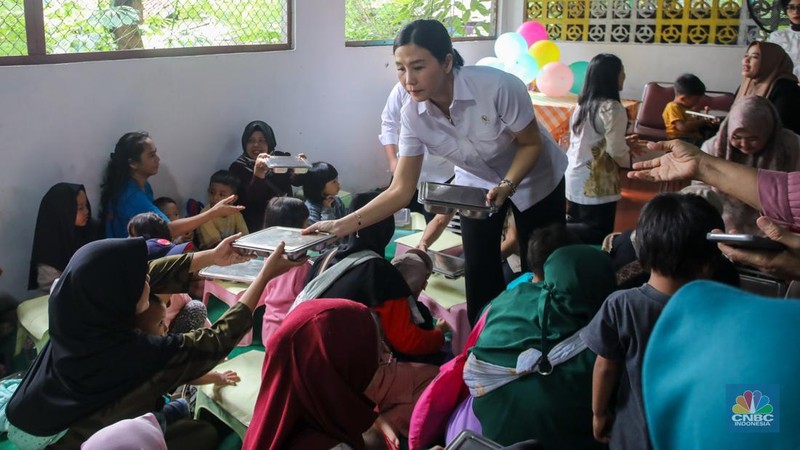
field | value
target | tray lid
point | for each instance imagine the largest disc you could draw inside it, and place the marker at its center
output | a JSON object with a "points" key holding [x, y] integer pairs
{"points": [[447, 265], [287, 161], [268, 239]]}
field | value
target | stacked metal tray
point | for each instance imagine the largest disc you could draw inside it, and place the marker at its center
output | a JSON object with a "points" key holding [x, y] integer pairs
{"points": [[448, 265], [245, 272], [402, 217], [264, 242], [441, 198], [282, 164]]}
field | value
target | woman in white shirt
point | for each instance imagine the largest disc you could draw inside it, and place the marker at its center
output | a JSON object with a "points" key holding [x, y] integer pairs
{"points": [[789, 38], [597, 148], [480, 119]]}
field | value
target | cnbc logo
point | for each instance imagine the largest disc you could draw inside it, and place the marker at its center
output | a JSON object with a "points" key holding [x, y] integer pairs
{"points": [[755, 408]]}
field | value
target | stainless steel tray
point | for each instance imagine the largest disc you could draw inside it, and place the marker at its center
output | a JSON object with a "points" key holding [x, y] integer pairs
{"points": [[447, 265], [441, 198], [282, 164], [244, 272], [265, 241]]}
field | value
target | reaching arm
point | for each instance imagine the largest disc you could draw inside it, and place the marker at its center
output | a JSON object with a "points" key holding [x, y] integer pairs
{"points": [[384, 205], [187, 224], [434, 229], [684, 161]]}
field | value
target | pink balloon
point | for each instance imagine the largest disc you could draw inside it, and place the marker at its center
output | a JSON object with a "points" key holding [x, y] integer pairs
{"points": [[532, 31], [555, 79]]}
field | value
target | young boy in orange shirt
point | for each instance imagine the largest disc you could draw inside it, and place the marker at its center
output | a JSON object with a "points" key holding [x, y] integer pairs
{"points": [[688, 91]]}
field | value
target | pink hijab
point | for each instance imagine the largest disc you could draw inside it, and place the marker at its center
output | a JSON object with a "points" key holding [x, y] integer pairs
{"points": [[781, 152], [130, 434]]}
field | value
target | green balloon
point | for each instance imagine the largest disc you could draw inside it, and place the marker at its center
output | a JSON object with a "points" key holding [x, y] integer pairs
{"points": [[579, 72]]}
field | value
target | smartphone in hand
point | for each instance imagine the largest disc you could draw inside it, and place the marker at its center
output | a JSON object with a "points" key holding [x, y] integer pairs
{"points": [[748, 241]]}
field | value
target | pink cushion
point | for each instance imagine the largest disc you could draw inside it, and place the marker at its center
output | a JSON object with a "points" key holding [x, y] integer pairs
{"points": [[441, 397]]}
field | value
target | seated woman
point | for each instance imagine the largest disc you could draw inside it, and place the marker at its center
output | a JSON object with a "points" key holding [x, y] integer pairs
{"points": [[63, 226], [257, 183], [767, 72], [126, 191], [317, 402], [97, 370], [752, 135], [357, 270], [550, 401]]}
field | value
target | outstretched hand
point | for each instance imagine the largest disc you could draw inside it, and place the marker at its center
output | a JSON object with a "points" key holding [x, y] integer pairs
{"points": [[225, 207], [681, 162], [783, 264], [276, 264]]}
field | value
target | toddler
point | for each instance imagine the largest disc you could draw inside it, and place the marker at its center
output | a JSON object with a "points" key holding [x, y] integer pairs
{"points": [[170, 209], [688, 91], [320, 186]]}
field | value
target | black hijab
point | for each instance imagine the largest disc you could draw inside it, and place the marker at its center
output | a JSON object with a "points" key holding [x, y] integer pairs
{"points": [[56, 238], [374, 281], [94, 356], [269, 135]]}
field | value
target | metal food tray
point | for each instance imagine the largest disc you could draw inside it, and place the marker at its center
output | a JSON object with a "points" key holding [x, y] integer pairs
{"points": [[245, 272], [402, 217], [441, 198], [282, 164], [447, 265], [265, 241]]}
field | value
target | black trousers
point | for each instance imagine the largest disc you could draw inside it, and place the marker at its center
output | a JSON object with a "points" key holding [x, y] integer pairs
{"points": [[591, 223], [483, 270]]}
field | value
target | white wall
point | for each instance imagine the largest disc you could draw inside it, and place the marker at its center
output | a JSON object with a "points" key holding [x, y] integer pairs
{"points": [[60, 122]]}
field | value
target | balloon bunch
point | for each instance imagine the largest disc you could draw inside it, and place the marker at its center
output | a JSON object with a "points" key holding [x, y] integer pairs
{"points": [[529, 55]]}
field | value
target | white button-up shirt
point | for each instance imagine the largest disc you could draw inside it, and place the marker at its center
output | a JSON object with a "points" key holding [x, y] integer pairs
{"points": [[790, 41], [434, 168], [488, 107]]}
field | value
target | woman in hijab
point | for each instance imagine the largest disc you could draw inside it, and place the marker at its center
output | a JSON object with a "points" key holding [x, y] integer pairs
{"points": [[318, 365], [752, 135], [257, 183], [358, 271], [97, 370], [63, 226], [767, 72], [518, 396]]}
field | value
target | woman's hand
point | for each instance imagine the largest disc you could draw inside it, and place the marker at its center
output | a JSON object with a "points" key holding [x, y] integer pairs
{"points": [[498, 194], [224, 254], [224, 207], [681, 162], [326, 226], [783, 264], [260, 169]]}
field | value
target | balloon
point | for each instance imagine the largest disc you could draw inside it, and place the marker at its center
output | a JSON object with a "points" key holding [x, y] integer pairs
{"points": [[578, 69], [545, 52], [491, 61], [555, 79], [532, 31], [509, 45], [524, 68]]}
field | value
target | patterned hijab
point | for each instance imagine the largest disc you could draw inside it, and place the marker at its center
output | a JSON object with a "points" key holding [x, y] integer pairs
{"points": [[775, 65], [781, 152]]}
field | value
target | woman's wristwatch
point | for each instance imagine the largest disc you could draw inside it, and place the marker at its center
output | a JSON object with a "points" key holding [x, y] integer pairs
{"points": [[506, 181]]}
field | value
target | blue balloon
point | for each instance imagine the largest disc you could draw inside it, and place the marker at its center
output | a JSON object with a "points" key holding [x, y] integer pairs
{"points": [[579, 72], [524, 67], [491, 61], [509, 46]]}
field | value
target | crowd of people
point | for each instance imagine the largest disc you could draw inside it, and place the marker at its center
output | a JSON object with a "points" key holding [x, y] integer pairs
{"points": [[560, 358]]}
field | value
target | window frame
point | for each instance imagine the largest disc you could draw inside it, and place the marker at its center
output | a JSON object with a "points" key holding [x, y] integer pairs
{"points": [[37, 50], [387, 42]]}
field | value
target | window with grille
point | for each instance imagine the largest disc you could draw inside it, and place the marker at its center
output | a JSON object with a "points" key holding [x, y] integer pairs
{"points": [[721, 22], [377, 21], [68, 27]]}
